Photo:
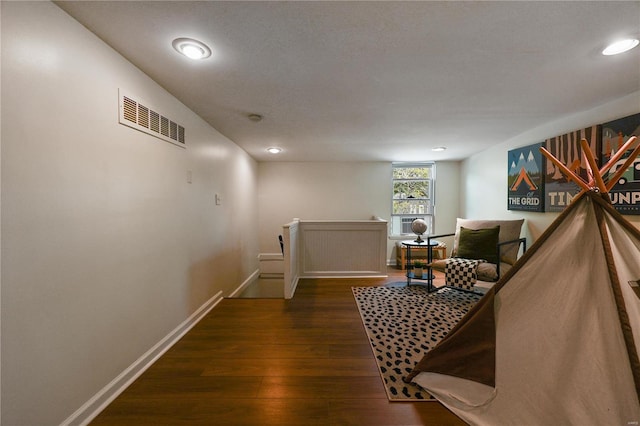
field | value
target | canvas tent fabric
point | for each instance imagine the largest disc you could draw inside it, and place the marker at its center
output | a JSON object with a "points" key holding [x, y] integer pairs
{"points": [[556, 341]]}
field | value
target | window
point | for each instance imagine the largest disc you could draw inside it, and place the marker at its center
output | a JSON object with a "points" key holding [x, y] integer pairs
{"points": [[413, 189]]}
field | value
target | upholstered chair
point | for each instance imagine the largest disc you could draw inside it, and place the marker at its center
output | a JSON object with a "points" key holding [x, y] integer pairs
{"points": [[494, 244]]}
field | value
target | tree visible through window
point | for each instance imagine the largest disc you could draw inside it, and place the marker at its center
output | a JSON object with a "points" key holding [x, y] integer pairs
{"points": [[412, 196]]}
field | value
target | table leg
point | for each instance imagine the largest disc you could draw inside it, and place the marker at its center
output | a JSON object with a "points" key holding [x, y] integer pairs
{"points": [[429, 269], [409, 267]]}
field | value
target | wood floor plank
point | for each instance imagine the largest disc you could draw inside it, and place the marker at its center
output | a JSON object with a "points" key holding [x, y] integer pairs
{"points": [[148, 411], [253, 349], [326, 387], [359, 412], [195, 387], [304, 361], [344, 367], [264, 412]]}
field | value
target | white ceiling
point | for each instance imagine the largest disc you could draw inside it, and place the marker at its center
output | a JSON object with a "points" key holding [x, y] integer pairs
{"points": [[369, 81]]}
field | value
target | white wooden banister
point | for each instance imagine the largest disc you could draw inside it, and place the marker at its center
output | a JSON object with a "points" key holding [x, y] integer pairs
{"points": [[334, 248]]}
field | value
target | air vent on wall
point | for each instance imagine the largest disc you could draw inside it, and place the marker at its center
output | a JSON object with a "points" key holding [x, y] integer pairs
{"points": [[137, 114]]}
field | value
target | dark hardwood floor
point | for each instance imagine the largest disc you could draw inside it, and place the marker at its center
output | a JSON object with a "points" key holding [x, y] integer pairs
{"points": [[305, 361]]}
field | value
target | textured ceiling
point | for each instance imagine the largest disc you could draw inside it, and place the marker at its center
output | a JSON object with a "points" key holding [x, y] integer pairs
{"points": [[368, 81]]}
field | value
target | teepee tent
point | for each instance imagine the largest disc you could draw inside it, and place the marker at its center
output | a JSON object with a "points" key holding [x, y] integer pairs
{"points": [[556, 341]]}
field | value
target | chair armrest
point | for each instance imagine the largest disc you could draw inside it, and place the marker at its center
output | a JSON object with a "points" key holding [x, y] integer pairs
{"points": [[518, 241], [522, 241], [431, 237]]}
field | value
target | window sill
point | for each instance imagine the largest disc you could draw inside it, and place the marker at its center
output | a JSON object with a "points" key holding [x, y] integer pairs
{"points": [[402, 237]]}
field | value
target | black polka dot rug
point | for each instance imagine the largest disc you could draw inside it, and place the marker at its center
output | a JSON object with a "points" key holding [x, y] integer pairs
{"points": [[402, 324]]}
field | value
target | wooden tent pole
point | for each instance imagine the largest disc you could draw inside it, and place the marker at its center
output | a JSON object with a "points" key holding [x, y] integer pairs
{"points": [[624, 168], [615, 157], [565, 169], [592, 164]]}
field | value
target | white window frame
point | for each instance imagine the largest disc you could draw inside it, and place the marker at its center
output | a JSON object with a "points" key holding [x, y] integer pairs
{"points": [[400, 230]]}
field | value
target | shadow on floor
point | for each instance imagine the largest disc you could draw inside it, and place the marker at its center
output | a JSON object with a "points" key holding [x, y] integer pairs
{"points": [[264, 288], [273, 288]]}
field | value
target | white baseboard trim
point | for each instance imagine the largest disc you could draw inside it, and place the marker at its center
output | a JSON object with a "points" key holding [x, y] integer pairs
{"points": [[106, 395], [294, 285], [246, 282]]}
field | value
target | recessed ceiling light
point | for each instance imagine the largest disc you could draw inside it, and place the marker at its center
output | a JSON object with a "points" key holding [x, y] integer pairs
{"points": [[439, 148], [620, 46], [191, 48], [255, 117], [274, 150]]}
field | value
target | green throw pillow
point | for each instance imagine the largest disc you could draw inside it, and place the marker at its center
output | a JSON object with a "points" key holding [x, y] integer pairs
{"points": [[479, 244]]}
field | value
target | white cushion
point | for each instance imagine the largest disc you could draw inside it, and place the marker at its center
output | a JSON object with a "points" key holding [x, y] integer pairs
{"points": [[486, 271]]}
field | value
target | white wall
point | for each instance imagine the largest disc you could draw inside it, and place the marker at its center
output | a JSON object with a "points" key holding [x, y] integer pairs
{"points": [[447, 196], [320, 191], [340, 190], [484, 175], [105, 246]]}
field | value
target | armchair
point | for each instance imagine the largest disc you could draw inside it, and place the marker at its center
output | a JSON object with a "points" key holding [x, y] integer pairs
{"points": [[486, 248]]}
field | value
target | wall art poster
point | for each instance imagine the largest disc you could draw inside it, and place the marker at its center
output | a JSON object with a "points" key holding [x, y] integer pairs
{"points": [[559, 191], [625, 195], [526, 179]]}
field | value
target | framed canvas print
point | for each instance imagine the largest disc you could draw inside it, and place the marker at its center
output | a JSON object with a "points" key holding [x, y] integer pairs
{"points": [[625, 195], [559, 192], [526, 179]]}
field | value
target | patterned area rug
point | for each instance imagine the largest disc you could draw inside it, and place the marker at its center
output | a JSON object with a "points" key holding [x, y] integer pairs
{"points": [[402, 324]]}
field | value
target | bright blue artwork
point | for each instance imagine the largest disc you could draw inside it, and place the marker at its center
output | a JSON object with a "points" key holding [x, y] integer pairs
{"points": [[526, 183]]}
